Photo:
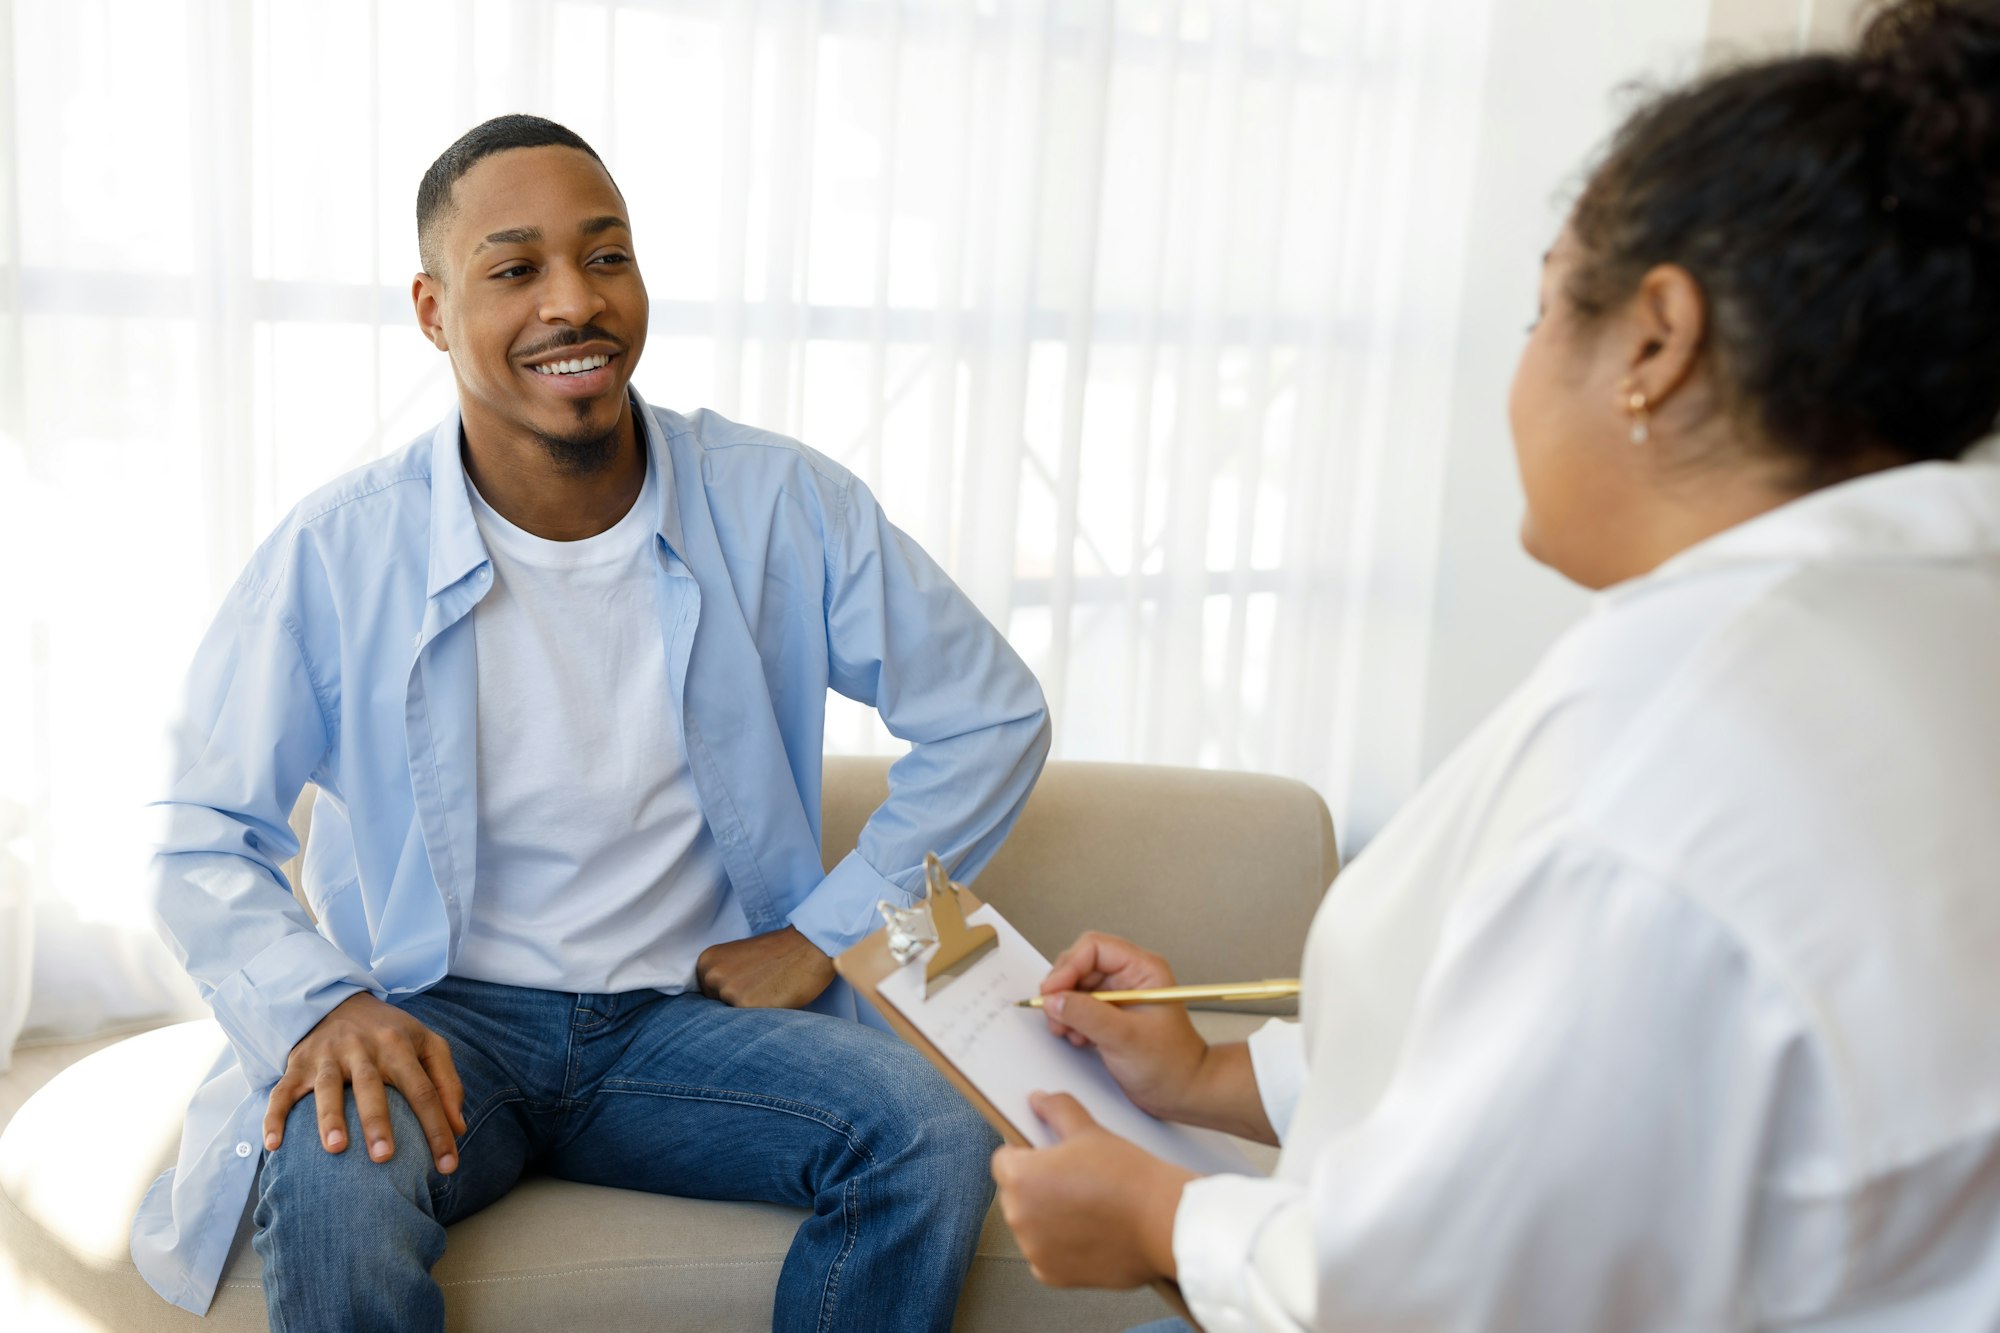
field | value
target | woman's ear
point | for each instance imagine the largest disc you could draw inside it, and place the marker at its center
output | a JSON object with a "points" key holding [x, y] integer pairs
{"points": [[1668, 321]]}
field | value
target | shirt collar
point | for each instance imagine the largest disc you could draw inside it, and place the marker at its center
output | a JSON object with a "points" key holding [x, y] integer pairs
{"points": [[456, 548], [1915, 512], [659, 457]]}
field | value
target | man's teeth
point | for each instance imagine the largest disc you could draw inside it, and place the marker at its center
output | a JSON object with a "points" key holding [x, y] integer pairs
{"points": [[576, 367]]}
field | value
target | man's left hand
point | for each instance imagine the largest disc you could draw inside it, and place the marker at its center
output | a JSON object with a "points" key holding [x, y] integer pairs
{"points": [[1095, 1210], [778, 970]]}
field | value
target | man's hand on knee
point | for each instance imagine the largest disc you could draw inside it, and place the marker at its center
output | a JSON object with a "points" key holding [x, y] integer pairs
{"points": [[372, 1047], [781, 969]]}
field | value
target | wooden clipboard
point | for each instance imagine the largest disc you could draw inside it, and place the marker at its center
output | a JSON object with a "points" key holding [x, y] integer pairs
{"points": [[866, 965]]}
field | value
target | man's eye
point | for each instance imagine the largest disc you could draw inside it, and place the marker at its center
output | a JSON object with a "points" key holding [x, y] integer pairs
{"points": [[513, 271], [612, 259]]}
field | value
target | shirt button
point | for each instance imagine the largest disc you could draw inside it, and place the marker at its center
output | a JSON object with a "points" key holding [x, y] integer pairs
{"points": [[242, 1150], [484, 574]]}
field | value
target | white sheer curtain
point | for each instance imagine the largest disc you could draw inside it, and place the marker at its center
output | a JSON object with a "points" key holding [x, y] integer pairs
{"points": [[1142, 315]]}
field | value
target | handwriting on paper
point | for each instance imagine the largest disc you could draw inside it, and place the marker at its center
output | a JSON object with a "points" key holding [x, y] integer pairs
{"points": [[1008, 1052]]}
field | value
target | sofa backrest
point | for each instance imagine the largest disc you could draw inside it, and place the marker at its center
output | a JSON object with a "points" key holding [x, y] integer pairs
{"points": [[1220, 872]]}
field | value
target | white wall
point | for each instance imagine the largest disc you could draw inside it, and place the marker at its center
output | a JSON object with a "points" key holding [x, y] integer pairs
{"points": [[1496, 610], [1742, 27], [1542, 118]]}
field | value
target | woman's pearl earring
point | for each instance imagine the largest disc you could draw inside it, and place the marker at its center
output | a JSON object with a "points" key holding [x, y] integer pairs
{"points": [[1636, 404]]}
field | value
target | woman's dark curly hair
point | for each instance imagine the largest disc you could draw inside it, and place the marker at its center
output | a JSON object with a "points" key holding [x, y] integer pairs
{"points": [[1841, 214]]}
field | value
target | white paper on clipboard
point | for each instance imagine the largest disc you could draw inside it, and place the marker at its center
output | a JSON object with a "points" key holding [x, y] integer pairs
{"points": [[1007, 1052]]}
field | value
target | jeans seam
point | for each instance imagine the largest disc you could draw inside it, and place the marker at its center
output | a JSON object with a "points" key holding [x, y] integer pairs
{"points": [[477, 1121], [573, 1059], [830, 1294]]}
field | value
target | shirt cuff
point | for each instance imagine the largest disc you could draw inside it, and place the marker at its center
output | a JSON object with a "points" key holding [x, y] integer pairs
{"points": [[1278, 1059], [1216, 1230], [280, 995], [840, 913]]}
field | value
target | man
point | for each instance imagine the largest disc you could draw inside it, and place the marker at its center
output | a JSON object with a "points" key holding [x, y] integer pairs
{"points": [[558, 671]]}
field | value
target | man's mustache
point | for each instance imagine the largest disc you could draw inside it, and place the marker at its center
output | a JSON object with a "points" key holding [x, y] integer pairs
{"points": [[571, 338]]}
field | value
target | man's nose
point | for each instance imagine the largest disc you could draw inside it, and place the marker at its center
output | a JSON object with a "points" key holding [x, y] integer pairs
{"points": [[568, 296]]}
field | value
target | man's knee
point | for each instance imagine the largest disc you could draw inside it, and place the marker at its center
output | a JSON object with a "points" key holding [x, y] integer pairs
{"points": [[938, 1124], [347, 1241], [302, 1167]]}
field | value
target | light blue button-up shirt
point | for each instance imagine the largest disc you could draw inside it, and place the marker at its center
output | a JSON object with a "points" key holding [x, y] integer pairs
{"points": [[344, 657]]}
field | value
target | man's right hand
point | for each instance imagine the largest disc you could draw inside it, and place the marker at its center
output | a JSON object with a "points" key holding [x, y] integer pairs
{"points": [[372, 1046]]}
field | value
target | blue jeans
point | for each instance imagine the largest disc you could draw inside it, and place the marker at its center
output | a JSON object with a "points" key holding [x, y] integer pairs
{"points": [[673, 1094]]}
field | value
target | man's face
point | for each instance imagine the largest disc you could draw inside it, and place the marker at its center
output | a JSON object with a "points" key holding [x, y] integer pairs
{"points": [[541, 305]]}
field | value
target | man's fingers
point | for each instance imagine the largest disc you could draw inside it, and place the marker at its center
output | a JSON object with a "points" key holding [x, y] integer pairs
{"points": [[371, 1106], [422, 1095], [1061, 1112], [330, 1105], [284, 1096], [436, 1055]]}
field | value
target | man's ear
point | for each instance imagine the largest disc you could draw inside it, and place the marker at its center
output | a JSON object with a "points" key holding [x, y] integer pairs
{"points": [[427, 294], [1669, 323]]}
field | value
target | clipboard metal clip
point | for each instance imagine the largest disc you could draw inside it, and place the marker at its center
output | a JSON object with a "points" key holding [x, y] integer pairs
{"points": [[939, 917], [959, 946]]}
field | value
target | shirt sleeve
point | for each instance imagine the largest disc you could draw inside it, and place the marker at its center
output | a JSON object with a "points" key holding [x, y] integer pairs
{"points": [[253, 728], [1243, 1250], [1278, 1059], [1577, 1120], [904, 639]]}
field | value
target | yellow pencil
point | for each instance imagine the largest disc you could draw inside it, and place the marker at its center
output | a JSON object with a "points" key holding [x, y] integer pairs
{"points": [[1237, 990]]}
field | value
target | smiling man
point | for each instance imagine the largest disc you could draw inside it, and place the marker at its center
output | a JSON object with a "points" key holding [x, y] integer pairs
{"points": [[558, 672]]}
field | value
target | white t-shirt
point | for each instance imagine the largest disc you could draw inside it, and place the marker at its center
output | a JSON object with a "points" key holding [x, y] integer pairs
{"points": [[1672, 1001], [596, 870]]}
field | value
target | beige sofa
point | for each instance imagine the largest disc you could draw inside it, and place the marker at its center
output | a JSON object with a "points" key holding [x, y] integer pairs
{"points": [[1221, 871]]}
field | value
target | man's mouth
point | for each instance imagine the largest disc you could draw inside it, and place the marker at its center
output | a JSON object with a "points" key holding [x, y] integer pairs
{"points": [[582, 365]]}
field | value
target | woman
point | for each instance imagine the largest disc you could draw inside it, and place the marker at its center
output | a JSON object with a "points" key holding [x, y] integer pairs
{"points": [[1672, 1001]]}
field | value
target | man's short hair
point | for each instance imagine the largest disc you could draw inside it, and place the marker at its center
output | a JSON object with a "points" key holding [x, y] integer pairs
{"points": [[497, 135]]}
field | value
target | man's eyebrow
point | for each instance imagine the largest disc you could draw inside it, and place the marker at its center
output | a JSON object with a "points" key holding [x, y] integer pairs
{"points": [[596, 225], [511, 236]]}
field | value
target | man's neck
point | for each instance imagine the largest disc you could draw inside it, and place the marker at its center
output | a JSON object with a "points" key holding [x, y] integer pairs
{"points": [[530, 488]]}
